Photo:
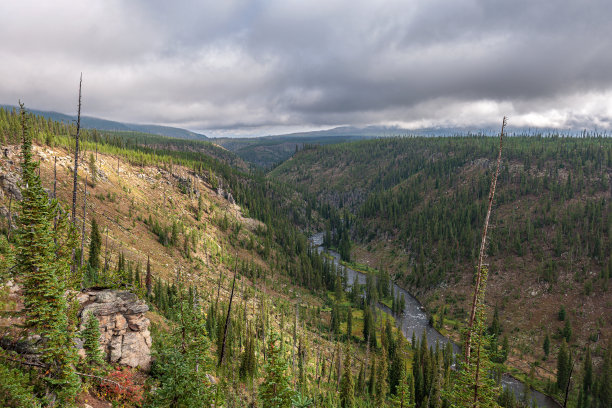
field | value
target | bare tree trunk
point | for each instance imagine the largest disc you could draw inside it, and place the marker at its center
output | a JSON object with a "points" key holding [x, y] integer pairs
{"points": [[76, 156], [218, 289], [55, 178], [295, 328], [338, 365], [10, 217], [468, 339], [569, 381], [229, 310], [84, 218]]}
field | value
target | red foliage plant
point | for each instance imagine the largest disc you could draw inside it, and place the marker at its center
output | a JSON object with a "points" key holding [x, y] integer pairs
{"points": [[122, 387]]}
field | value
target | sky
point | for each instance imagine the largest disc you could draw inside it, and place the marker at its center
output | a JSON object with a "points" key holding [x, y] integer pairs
{"points": [[255, 67]]}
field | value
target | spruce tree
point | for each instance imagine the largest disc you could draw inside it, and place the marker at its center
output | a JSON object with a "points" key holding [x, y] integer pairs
{"points": [[546, 345], [403, 394], [563, 366], [347, 387], [93, 168], [275, 390], [44, 270], [181, 359], [95, 244], [349, 323], [149, 279], [91, 343], [473, 385], [381, 386], [605, 379]]}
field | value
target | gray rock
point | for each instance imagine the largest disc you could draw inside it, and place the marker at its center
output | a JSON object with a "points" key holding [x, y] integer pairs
{"points": [[115, 349], [106, 296], [124, 330], [135, 352]]}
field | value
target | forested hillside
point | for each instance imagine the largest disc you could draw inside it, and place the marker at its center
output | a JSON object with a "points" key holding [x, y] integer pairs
{"points": [[415, 207], [245, 312]]}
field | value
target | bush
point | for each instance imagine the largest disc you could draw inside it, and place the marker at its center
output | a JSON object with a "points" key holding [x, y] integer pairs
{"points": [[122, 387]]}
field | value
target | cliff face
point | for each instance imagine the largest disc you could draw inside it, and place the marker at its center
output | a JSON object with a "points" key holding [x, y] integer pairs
{"points": [[124, 330]]}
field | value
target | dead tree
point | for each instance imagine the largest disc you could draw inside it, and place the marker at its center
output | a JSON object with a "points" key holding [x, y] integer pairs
{"points": [[483, 243], [55, 178], [229, 311], [84, 218], [10, 217], [76, 156]]}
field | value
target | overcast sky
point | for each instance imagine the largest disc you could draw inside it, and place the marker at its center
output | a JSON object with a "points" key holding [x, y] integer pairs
{"points": [[250, 67]]}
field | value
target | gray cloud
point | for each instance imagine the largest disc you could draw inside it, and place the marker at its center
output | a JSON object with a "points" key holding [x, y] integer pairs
{"points": [[259, 67]]}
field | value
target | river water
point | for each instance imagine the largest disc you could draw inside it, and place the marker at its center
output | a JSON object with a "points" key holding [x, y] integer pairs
{"points": [[414, 320]]}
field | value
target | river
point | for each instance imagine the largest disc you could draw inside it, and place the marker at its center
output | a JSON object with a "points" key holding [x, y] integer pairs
{"points": [[414, 320]]}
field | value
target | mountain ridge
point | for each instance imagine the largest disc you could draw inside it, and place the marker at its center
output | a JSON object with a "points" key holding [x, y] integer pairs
{"points": [[91, 122]]}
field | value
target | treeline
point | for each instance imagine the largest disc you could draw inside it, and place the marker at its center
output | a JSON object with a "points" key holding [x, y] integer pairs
{"points": [[429, 195]]}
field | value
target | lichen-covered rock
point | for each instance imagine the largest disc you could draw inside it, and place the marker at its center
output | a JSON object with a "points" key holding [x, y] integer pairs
{"points": [[124, 330]]}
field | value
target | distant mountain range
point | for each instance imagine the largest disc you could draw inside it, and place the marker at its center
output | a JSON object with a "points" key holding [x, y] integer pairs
{"points": [[89, 122], [390, 131]]}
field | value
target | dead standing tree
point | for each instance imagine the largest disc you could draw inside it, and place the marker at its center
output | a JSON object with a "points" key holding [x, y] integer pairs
{"points": [[76, 156], [470, 328], [229, 311], [83, 228]]}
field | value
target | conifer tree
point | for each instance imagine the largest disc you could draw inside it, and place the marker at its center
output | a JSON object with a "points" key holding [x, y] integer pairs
{"points": [[94, 169], [91, 342], [181, 360], [563, 366], [248, 362], [347, 387], [473, 386], [44, 270], [361, 381], [403, 396], [605, 379], [149, 279], [546, 345], [349, 323], [95, 245], [381, 387], [275, 390]]}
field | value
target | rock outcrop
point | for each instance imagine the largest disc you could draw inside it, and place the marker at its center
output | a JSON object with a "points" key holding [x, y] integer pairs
{"points": [[124, 329]]}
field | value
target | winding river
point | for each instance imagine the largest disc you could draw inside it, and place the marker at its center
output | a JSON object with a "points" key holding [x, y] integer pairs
{"points": [[415, 320]]}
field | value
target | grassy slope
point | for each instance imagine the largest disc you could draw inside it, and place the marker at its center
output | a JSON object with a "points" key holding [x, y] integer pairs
{"points": [[126, 195]]}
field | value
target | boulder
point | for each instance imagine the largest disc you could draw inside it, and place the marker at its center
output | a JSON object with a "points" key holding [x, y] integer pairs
{"points": [[124, 329]]}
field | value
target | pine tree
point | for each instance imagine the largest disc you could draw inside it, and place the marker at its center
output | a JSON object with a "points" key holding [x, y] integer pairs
{"points": [[275, 390], [43, 268], [403, 395], [347, 388]]}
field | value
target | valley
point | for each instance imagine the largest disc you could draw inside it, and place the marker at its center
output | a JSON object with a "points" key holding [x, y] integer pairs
{"points": [[184, 223]]}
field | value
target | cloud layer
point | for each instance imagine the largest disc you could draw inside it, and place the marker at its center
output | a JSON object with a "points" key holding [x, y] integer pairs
{"points": [[249, 67]]}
